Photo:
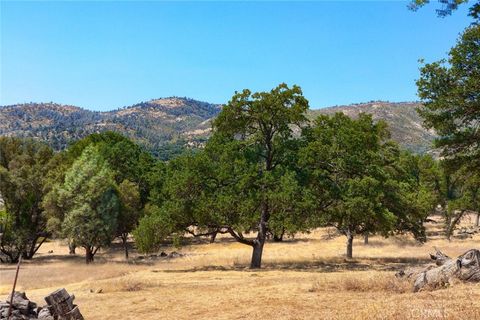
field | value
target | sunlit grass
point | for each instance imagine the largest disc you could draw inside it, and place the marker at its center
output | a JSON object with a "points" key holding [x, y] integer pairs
{"points": [[303, 278]]}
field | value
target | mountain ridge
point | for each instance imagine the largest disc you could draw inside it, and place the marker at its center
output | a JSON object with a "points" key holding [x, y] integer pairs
{"points": [[175, 122]]}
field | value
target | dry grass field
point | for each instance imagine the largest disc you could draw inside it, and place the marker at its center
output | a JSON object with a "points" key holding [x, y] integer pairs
{"points": [[303, 278]]}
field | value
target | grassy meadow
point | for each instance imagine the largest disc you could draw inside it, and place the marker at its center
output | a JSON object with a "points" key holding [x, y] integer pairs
{"points": [[302, 278]]}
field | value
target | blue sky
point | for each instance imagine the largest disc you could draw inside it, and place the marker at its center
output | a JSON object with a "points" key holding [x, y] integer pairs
{"points": [[104, 55]]}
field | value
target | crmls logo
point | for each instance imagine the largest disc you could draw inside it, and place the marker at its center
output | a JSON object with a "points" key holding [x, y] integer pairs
{"points": [[426, 313]]}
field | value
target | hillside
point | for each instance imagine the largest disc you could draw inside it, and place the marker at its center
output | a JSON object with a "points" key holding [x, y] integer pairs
{"points": [[165, 125], [158, 125]]}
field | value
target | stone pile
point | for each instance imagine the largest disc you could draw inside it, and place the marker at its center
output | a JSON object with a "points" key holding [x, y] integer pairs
{"points": [[59, 307]]}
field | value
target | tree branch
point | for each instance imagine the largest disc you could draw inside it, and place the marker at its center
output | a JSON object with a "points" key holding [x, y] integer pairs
{"points": [[239, 237]]}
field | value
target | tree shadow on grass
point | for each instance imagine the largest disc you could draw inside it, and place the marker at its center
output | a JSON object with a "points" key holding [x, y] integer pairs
{"points": [[322, 266]]}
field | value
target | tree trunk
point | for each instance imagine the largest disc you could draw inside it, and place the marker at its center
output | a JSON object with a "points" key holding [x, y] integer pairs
{"points": [[365, 238], [259, 242], [349, 245], [279, 237], [452, 223], [213, 237], [30, 250], [12, 255], [71, 247], [125, 244], [256, 262], [89, 255]]}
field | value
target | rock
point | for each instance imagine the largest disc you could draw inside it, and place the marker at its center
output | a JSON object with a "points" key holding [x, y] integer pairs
{"points": [[4, 305], [19, 301], [60, 307], [45, 314]]}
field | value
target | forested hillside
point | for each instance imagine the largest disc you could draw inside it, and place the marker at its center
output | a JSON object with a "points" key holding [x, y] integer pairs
{"points": [[164, 126], [160, 125]]}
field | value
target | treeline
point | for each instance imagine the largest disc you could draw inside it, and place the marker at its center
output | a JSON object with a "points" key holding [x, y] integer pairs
{"points": [[265, 173]]}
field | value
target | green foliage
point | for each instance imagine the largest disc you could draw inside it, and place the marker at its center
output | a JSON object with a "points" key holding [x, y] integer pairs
{"points": [[352, 171], [263, 123], [415, 194], [152, 229], [450, 93], [234, 184], [291, 204], [126, 158], [459, 192], [23, 167], [90, 202], [448, 7]]}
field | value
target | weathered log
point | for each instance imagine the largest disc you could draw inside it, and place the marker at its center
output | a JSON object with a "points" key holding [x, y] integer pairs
{"points": [[62, 307], [439, 257], [469, 266], [465, 267]]}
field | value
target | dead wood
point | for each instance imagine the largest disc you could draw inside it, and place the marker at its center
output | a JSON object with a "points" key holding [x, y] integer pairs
{"points": [[465, 267]]}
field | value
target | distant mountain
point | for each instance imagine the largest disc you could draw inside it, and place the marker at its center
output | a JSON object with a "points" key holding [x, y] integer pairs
{"points": [[164, 126], [158, 125]]}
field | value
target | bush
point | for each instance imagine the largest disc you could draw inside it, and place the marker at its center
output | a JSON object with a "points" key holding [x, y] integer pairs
{"points": [[152, 230]]}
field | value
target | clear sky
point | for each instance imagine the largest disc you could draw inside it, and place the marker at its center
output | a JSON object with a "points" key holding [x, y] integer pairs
{"points": [[104, 55]]}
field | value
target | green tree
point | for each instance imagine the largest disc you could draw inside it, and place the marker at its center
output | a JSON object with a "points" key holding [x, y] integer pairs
{"points": [[460, 192], [450, 92], [200, 194], [471, 195], [23, 167], [125, 158], [90, 201], [233, 185], [264, 123], [352, 176], [152, 229], [417, 178], [130, 211]]}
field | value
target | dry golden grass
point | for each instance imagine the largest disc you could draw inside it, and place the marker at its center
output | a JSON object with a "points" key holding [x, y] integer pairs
{"points": [[304, 278]]}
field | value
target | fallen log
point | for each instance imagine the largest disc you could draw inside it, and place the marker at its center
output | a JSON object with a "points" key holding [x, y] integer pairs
{"points": [[465, 267], [61, 304]]}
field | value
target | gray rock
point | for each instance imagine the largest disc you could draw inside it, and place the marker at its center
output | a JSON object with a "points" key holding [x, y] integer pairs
{"points": [[20, 302], [45, 314]]}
